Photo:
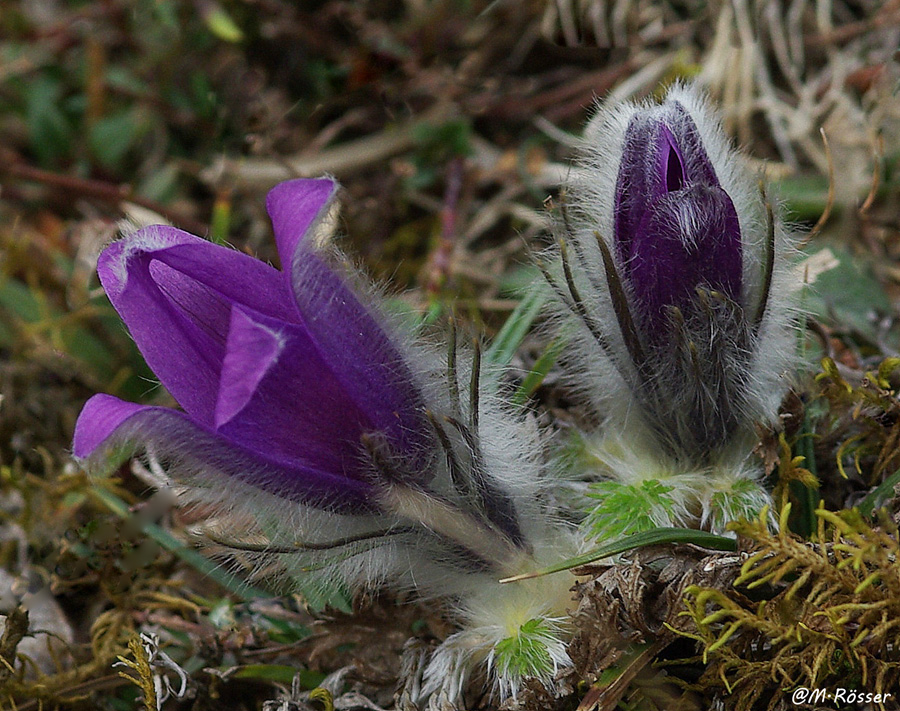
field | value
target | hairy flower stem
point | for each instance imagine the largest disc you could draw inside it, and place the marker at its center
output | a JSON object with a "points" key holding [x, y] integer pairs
{"points": [[485, 541]]}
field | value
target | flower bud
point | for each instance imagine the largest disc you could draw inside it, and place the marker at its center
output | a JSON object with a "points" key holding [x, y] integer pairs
{"points": [[677, 280], [675, 228]]}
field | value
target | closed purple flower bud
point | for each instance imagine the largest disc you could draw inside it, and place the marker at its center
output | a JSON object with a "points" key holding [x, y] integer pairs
{"points": [[678, 277], [282, 375], [676, 229]]}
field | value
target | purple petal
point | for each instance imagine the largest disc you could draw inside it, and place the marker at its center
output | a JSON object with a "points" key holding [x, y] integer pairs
{"points": [[281, 396], [107, 422], [296, 207], [373, 371], [251, 351], [675, 228], [174, 291], [98, 420], [686, 240], [671, 162], [284, 375]]}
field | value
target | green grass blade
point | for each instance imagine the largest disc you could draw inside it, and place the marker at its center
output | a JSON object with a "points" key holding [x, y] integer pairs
{"points": [[193, 558], [659, 536], [803, 520], [516, 327], [536, 376], [879, 495]]}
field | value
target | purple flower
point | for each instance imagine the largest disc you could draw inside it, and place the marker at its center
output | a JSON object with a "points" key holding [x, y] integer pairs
{"points": [[283, 376], [677, 268], [675, 228]]}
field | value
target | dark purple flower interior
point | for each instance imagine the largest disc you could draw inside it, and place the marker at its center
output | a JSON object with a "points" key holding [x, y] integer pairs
{"points": [[676, 229], [671, 161]]}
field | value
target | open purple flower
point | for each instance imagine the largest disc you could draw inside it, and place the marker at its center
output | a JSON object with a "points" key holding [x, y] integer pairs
{"points": [[337, 452], [282, 375], [676, 229]]}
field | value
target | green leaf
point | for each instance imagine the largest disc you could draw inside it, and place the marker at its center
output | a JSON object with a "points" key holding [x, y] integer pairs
{"points": [[112, 136], [20, 305], [525, 653], [848, 295], [624, 509], [221, 614], [50, 132], [285, 631], [803, 517], [123, 78], [736, 500], [443, 141], [436, 145], [319, 594], [220, 224], [805, 196], [202, 99], [280, 673], [18, 299], [90, 350], [221, 25], [539, 371], [317, 591], [613, 672], [7, 339], [165, 14], [518, 282], [879, 495]]}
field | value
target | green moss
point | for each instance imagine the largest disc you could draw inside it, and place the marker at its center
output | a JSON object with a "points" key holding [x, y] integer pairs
{"points": [[812, 614]]}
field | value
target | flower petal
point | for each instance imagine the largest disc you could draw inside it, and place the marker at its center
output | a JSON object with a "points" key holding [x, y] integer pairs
{"points": [[676, 229], [295, 208], [373, 372], [250, 353], [279, 396], [686, 240], [107, 422], [98, 420], [174, 291], [663, 151]]}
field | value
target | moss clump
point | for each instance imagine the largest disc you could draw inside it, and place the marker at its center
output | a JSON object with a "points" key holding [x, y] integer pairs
{"points": [[817, 614]]}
